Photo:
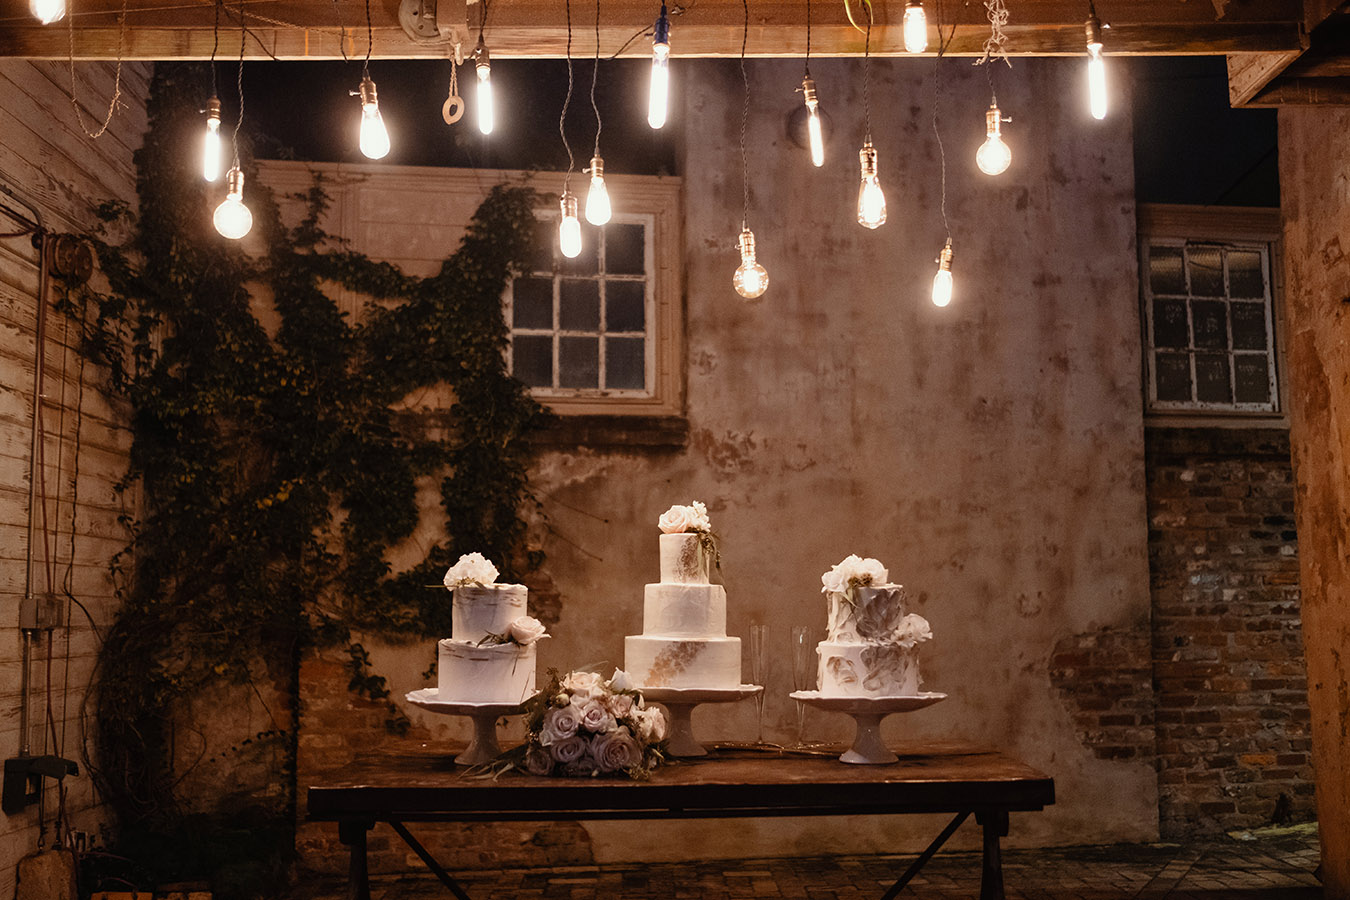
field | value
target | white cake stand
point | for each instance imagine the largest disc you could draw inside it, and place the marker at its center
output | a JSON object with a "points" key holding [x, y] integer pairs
{"points": [[680, 702], [868, 712], [484, 747]]}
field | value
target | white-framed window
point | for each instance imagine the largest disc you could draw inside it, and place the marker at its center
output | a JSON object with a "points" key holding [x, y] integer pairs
{"points": [[1209, 310], [601, 333]]}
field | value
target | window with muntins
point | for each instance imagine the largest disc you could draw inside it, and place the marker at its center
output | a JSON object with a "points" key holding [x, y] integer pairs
{"points": [[1209, 323]]}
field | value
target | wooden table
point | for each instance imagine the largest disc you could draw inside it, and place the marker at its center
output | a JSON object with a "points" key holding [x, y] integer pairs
{"points": [[933, 778]]}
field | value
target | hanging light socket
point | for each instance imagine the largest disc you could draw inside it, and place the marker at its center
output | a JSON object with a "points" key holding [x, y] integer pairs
{"points": [[374, 137], [815, 133], [1092, 30], [751, 279], [994, 156], [211, 142], [232, 218], [598, 210], [569, 228], [871, 200], [658, 100], [942, 281]]}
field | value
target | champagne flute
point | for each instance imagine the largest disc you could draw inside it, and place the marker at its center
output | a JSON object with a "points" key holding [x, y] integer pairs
{"points": [[759, 635], [803, 678]]}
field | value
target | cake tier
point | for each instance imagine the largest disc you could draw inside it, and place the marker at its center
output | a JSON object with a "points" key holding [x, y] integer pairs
{"points": [[708, 663], [683, 559], [865, 613], [867, 670], [502, 673], [684, 610], [480, 610]]}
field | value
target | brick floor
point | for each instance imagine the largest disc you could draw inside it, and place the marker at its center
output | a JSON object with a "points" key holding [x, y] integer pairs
{"points": [[1277, 864]]}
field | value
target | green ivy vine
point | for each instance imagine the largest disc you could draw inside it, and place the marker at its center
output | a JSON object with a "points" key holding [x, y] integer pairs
{"points": [[272, 473]]}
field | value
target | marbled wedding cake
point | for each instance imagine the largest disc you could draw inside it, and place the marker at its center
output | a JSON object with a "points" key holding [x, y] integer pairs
{"points": [[491, 656], [684, 641], [871, 646]]}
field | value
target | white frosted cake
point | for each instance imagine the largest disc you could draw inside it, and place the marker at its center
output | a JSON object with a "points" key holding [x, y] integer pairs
{"points": [[491, 656], [684, 641], [871, 646]]}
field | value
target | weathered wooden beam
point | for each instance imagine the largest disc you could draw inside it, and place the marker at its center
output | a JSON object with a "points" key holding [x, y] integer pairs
{"points": [[1250, 73], [1305, 92], [307, 29]]}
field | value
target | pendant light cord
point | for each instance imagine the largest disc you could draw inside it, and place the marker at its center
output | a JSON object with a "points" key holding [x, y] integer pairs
{"points": [[370, 41], [745, 119], [215, 45], [942, 153], [595, 74], [807, 73], [117, 76], [567, 100], [239, 84], [867, 79]]}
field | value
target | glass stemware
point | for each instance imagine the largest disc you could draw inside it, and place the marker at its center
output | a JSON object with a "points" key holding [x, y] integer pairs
{"points": [[803, 673], [759, 635]]}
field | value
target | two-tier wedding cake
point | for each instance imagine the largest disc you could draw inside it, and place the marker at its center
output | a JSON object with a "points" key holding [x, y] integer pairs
{"points": [[871, 646], [490, 657]]}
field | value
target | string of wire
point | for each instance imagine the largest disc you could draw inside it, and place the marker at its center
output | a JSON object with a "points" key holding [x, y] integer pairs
{"points": [[567, 100], [807, 73], [370, 40], [239, 85], [942, 153], [595, 74], [215, 45], [996, 45], [117, 75], [867, 79], [745, 119]]}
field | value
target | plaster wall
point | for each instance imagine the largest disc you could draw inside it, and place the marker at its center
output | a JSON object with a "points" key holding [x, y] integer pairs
{"points": [[1314, 159], [47, 157], [991, 453]]}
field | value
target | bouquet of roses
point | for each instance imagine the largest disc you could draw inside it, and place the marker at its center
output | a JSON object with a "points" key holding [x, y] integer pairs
{"points": [[581, 724]]}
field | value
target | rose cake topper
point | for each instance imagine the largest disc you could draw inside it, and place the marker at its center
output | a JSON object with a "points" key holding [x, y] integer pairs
{"points": [[853, 572], [679, 519], [472, 568]]}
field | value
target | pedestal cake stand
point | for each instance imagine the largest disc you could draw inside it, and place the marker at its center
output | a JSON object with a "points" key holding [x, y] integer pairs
{"points": [[484, 747], [868, 712], [680, 702]]}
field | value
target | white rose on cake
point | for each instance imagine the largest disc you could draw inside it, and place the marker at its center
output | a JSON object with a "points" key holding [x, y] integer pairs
{"points": [[853, 571], [526, 630], [913, 630], [678, 519], [472, 568]]}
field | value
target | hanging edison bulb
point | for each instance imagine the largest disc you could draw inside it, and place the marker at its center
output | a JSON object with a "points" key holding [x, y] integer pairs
{"points": [[871, 201], [658, 100], [915, 27], [232, 218], [569, 227], [994, 156], [374, 136], [598, 210], [1096, 67], [48, 11], [211, 141], [482, 64], [942, 281], [751, 279], [815, 136]]}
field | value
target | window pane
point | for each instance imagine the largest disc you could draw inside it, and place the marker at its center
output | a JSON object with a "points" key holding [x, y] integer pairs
{"points": [[1252, 377], [532, 303], [541, 250], [1210, 318], [1249, 326], [1211, 378], [1164, 270], [1170, 328], [624, 250], [624, 302], [624, 363], [579, 362], [588, 261], [579, 305], [532, 359], [1244, 274], [1173, 375], [1206, 265]]}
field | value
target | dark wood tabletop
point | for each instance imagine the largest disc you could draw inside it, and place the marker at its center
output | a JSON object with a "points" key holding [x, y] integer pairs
{"points": [[931, 777]]}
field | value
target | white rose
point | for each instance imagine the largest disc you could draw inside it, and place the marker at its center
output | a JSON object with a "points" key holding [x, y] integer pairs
{"points": [[675, 520], [620, 681], [616, 751], [698, 517], [914, 629], [472, 568], [568, 749], [526, 630], [582, 685], [559, 725], [651, 724], [870, 571], [620, 704]]}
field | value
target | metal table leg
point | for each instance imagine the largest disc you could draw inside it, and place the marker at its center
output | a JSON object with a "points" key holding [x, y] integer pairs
{"points": [[352, 832], [995, 823], [926, 855]]}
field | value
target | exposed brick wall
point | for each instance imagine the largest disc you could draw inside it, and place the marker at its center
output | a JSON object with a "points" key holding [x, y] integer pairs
{"points": [[1232, 708], [1105, 679]]}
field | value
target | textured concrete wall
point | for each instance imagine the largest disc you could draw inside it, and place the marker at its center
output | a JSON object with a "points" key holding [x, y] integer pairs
{"points": [[45, 154], [1233, 743], [991, 453], [1314, 160]]}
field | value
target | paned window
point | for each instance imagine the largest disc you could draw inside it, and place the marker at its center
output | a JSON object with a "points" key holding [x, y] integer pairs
{"points": [[1209, 325]]}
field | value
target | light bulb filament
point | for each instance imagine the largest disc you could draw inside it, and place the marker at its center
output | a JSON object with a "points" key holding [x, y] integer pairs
{"points": [[871, 200], [374, 136], [814, 134], [994, 156], [569, 228], [1096, 68], [942, 281], [915, 27], [48, 11], [483, 67], [211, 141], [598, 209], [751, 279], [232, 218], [658, 100]]}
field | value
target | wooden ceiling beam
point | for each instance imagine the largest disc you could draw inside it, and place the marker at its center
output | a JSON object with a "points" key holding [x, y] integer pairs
{"points": [[306, 29]]}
